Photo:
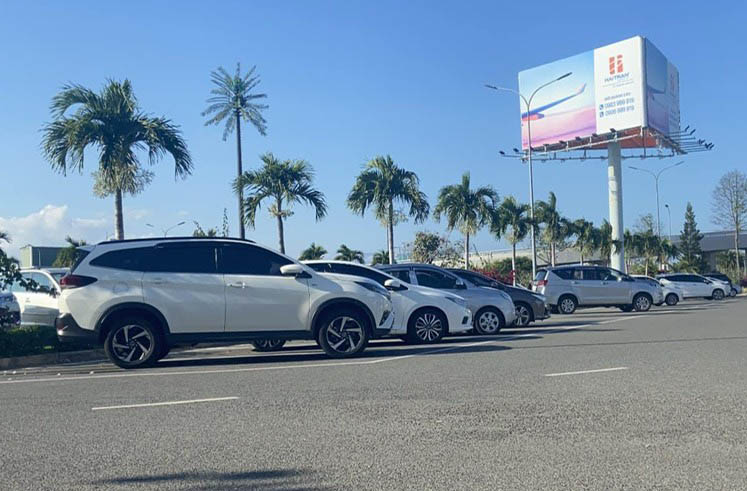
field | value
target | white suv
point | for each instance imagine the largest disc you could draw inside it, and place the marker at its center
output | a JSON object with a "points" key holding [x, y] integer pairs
{"points": [[141, 297]]}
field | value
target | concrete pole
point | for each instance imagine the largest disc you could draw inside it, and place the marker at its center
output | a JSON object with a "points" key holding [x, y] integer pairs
{"points": [[614, 176]]}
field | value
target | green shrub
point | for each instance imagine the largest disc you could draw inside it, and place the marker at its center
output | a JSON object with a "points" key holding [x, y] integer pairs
{"points": [[22, 341]]}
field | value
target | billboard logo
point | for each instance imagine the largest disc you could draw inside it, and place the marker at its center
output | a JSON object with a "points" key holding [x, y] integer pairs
{"points": [[616, 64]]}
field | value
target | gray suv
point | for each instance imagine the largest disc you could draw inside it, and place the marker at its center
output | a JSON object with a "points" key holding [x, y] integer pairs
{"points": [[569, 287], [530, 306]]}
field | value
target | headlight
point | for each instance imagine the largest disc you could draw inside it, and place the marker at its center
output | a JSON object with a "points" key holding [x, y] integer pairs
{"points": [[375, 287], [459, 301]]}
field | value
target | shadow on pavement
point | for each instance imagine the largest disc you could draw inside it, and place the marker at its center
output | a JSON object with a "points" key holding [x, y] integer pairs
{"points": [[275, 479], [623, 343]]}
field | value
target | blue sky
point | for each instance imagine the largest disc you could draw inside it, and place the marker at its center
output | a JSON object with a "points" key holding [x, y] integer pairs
{"points": [[347, 81]]}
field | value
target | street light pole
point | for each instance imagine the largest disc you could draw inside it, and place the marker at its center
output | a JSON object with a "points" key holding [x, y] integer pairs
{"points": [[167, 230], [657, 175], [669, 212], [528, 104]]}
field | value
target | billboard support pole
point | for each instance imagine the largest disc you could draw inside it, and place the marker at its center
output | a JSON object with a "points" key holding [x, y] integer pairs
{"points": [[614, 183]]}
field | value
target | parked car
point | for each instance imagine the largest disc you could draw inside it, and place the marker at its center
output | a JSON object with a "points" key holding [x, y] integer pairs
{"points": [[694, 285], [10, 311], [140, 297], [421, 314], [733, 289], [671, 294], [530, 306], [570, 287], [39, 308], [492, 309]]}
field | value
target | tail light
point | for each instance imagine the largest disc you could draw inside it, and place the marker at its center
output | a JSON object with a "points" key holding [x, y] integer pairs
{"points": [[541, 283], [75, 281]]}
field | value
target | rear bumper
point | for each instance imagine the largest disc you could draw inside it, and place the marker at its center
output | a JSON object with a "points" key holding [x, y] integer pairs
{"points": [[68, 331], [541, 312]]}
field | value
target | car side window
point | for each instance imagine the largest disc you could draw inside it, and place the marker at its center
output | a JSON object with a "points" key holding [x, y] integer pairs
{"points": [[591, 274], [183, 258], [610, 275], [251, 260], [401, 274], [435, 279], [128, 259], [320, 267], [566, 274], [359, 271]]}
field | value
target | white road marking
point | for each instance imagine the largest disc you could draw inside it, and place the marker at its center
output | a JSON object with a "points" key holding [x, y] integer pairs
{"points": [[599, 370], [170, 403]]}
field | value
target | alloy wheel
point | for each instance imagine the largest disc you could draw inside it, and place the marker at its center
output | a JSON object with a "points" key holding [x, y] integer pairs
{"points": [[344, 334], [718, 294], [428, 327], [671, 299], [567, 306], [132, 343], [642, 303], [489, 322], [268, 344], [523, 316]]}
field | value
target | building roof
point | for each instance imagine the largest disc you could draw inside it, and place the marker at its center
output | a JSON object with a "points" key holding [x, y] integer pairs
{"points": [[717, 241]]}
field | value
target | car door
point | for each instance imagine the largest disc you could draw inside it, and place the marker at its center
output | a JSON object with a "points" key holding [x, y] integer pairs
{"points": [[702, 287], [38, 307], [615, 290], [258, 296], [182, 281], [588, 286]]}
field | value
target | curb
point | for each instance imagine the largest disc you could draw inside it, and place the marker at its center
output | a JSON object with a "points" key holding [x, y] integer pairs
{"points": [[52, 359]]}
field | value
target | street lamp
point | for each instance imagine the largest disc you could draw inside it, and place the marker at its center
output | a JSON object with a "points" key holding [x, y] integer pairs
{"points": [[166, 230], [656, 179], [528, 104]]}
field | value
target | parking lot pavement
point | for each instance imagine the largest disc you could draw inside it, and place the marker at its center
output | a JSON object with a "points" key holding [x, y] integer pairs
{"points": [[599, 400]]}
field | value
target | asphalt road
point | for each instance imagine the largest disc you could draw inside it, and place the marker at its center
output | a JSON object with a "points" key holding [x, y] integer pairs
{"points": [[597, 400]]}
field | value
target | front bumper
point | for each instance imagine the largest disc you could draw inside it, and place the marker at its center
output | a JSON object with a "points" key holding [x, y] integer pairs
{"points": [[541, 311], [68, 331], [385, 325]]}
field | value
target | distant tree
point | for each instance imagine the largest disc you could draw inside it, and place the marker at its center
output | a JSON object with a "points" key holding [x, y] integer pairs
{"points": [[425, 247], [232, 101], [556, 228], [225, 230], [381, 185], [10, 270], [200, 232], [312, 252], [344, 253], [381, 257], [66, 257], [466, 209], [587, 238], [512, 217], [691, 255], [284, 183], [502, 270], [111, 122], [606, 243], [729, 208]]}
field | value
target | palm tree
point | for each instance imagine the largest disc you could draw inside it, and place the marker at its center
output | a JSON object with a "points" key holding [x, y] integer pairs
{"points": [[66, 257], [557, 228], [514, 217], [465, 208], [285, 182], [232, 102], [380, 185], [587, 238], [606, 242], [312, 252], [381, 257], [344, 253], [111, 122]]}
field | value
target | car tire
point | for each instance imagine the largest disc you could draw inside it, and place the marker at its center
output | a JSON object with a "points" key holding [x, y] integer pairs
{"points": [[343, 333], [489, 321], [642, 302], [426, 326], [567, 304], [266, 345], [165, 349], [733, 292], [718, 294], [672, 300], [133, 342], [626, 308], [524, 314]]}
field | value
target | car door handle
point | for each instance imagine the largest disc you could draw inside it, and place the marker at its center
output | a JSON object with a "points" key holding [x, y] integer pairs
{"points": [[604, 282], [158, 281], [238, 284], [574, 282]]}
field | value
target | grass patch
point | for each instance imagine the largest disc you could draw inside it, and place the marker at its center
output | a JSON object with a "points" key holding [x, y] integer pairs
{"points": [[34, 340]]}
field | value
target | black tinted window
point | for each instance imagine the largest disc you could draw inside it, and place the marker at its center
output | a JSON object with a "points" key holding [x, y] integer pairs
{"points": [[129, 259], [566, 273], [183, 258], [401, 274], [590, 274], [435, 279], [476, 279], [319, 267], [247, 259], [358, 271]]}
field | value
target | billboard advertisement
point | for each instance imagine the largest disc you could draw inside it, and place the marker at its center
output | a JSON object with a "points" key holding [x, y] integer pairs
{"points": [[606, 88]]}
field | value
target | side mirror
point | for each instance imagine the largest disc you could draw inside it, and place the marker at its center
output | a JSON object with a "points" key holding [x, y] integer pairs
{"points": [[295, 270], [395, 285]]}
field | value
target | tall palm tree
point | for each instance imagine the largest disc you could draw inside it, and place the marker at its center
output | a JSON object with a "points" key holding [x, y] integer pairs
{"points": [[606, 243], [381, 257], [557, 228], [285, 183], [466, 209], [112, 122], [312, 252], [66, 257], [344, 253], [380, 185], [233, 101], [587, 238], [513, 217]]}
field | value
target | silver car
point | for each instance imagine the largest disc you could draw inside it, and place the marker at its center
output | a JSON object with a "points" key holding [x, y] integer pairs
{"points": [[569, 287], [492, 309]]}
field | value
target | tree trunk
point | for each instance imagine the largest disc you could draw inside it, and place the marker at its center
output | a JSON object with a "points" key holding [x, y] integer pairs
{"points": [[466, 250], [239, 171], [513, 263], [736, 250], [552, 254], [118, 219], [281, 235], [390, 234]]}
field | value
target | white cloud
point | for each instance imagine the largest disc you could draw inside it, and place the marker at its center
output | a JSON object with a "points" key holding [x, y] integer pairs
{"points": [[136, 213], [49, 226]]}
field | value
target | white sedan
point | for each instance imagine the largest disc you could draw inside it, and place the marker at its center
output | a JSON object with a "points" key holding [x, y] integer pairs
{"points": [[671, 294]]}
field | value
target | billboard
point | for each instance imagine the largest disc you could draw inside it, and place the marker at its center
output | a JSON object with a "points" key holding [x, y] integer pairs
{"points": [[624, 85]]}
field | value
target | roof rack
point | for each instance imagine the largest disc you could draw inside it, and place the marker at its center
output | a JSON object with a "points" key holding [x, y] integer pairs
{"points": [[186, 237]]}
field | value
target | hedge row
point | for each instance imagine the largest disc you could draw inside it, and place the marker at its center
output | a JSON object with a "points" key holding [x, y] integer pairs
{"points": [[22, 341]]}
